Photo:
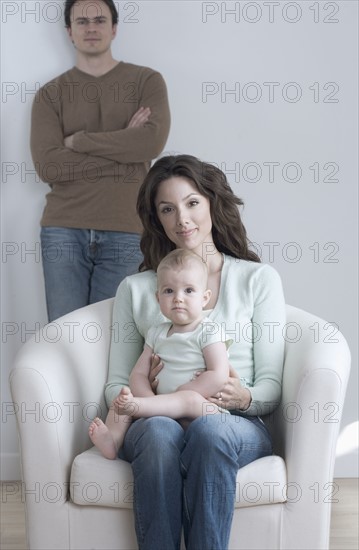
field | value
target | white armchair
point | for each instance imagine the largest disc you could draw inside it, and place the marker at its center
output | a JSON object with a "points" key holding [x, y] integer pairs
{"points": [[76, 499]]}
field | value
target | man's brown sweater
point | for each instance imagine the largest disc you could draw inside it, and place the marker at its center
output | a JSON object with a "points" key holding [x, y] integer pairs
{"points": [[95, 186]]}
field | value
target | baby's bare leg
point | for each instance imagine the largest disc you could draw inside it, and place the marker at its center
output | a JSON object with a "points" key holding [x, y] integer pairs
{"points": [[176, 405], [108, 437]]}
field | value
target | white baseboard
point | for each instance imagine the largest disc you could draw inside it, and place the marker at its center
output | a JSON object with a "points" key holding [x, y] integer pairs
{"points": [[10, 469]]}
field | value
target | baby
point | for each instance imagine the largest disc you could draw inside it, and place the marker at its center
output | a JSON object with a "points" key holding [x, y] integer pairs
{"points": [[186, 344]]}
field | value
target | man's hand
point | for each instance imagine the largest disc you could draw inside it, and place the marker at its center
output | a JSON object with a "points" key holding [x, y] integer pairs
{"points": [[140, 118], [69, 141]]}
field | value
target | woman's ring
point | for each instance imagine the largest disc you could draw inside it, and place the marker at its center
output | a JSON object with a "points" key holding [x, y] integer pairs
{"points": [[220, 396], [155, 379]]}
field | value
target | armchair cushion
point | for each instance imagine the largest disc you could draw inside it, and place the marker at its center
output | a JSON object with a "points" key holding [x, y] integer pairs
{"points": [[96, 481]]}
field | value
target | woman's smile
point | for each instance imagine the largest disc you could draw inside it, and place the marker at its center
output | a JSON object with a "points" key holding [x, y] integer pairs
{"points": [[186, 233]]}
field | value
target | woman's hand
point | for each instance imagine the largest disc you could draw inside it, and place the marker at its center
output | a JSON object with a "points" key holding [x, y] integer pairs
{"points": [[233, 395], [156, 367]]}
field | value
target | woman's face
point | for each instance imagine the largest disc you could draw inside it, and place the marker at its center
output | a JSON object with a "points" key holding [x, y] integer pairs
{"points": [[185, 215]]}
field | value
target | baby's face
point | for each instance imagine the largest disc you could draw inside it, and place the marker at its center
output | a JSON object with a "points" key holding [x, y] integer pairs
{"points": [[182, 294]]}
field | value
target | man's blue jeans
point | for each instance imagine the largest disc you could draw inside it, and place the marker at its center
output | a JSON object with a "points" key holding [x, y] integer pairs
{"points": [[188, 478], [84, 266]]}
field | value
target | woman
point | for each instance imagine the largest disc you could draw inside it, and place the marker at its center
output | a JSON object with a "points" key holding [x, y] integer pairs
{"points": [[187, 477]]}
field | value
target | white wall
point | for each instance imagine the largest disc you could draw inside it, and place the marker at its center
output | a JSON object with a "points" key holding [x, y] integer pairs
{"points": [[271, 82]]}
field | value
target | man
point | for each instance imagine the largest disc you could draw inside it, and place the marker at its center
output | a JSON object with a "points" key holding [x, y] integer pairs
{"points": [[95, 130]]}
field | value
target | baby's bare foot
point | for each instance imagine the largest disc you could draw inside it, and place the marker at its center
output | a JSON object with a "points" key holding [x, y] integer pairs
{"points": [[102, 438], [124, 396], [125, 403]]}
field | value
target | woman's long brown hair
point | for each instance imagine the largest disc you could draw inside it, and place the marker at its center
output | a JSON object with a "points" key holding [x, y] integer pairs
{"points": [[228, 231]]}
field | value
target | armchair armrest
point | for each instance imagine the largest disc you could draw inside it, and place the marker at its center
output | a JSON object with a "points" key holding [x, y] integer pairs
{"points": [[306, 424], [57, 388]]}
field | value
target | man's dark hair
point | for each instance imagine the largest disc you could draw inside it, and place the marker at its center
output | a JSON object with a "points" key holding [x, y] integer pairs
{"points": [[70, 3]]}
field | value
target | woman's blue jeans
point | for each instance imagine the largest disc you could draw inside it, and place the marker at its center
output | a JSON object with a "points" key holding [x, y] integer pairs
{"points": [[84, 266], [188, 478]]}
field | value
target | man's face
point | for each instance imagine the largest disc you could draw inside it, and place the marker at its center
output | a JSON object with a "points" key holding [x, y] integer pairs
{"points": [[91, 28]]}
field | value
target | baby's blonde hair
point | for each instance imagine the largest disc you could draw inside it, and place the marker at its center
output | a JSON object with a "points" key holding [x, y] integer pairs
{"points": [[181, 258]]}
